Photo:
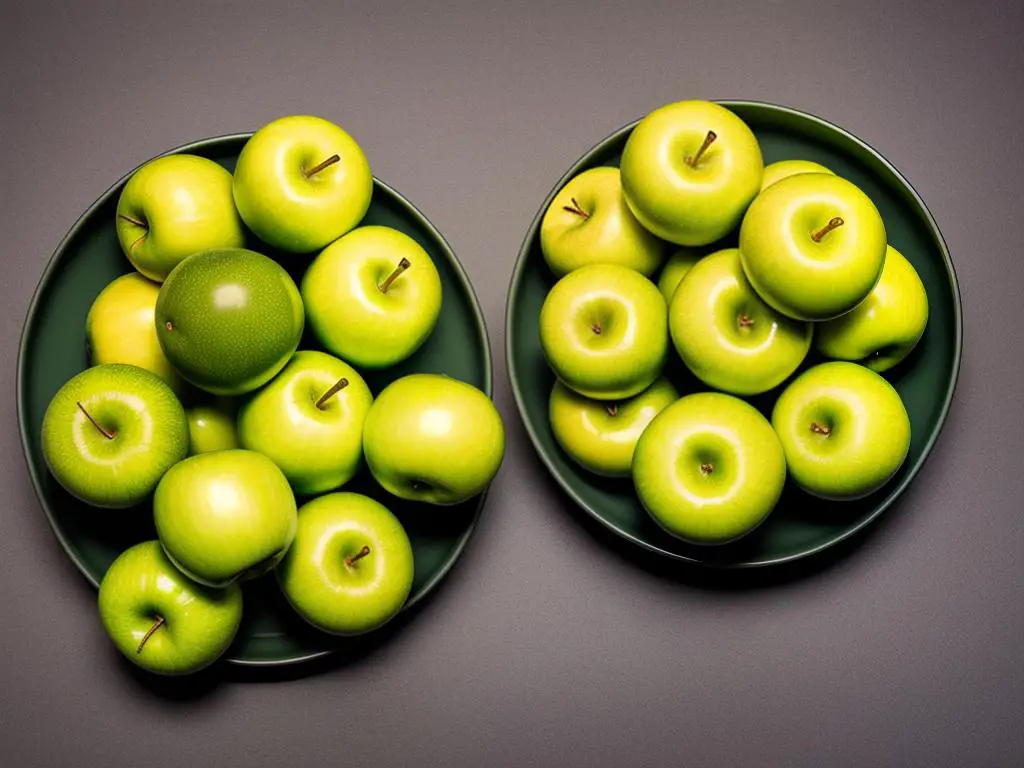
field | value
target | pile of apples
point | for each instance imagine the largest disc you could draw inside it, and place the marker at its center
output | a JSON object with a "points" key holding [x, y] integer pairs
{"points": [[207, 323], [812, 267]]}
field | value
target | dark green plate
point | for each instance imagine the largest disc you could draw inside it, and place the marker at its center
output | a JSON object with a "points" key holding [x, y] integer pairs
{"points": [[800, 525], [53, 350]]}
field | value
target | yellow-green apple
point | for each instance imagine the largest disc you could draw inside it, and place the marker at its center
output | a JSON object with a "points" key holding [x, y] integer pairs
{"points": [[588, 222], [727, 336], [812, 245], [678, 264], [211, 427], [120, 328], [689, 171], [309, 421], [783, 169], [844, 429], [432, 438], [886, 326], [173, 207], [373, 296], [302, 182], [111, 432], [229, 320], [224, 516], [600, 435], [350, 568], [709, 469], [604, 331], [160, 619]]}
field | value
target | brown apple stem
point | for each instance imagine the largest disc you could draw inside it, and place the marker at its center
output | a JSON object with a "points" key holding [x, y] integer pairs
{"points": [[596, 328], [339, 385], [613, 410], [745, 320], [706, 468], [104, 432], [350, 561], [708, 141], [835, 221], [820, 429], [403, 265], [577, 209], [160, 621], [130, 220], [320, 166]]}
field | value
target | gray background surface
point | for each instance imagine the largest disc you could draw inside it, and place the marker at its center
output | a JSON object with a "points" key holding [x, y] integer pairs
{"points": [[549, 645]]}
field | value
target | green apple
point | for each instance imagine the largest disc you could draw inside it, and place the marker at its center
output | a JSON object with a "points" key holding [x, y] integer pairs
{"points": [[350, 568], [432, 438], [173, 207], [211, 427], [373, 296], [120, 328], [844, 429], [160, 619], [111, 432], [689, 171], [588, 222], [783, 169], [812, 245], [600, 435], [309, 421], [604, 331], [727, 336], [886, 326], [224, 516], [229, 320], [709, 469], [678, 264], [302, 182]]}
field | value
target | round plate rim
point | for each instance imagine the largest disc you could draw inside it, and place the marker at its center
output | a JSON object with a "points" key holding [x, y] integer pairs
{"points": [[48, 276], [894, 493]]}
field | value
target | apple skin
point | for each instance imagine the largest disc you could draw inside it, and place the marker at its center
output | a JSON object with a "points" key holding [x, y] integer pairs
{"points": [[148, 427], [352, 316], [681, 203], [602, 230], [601, 436], [141, 587], [604, 331], [185, 205], [799, 277], [211, 427], [326, 586], [676, 268], [783, 169], [289, 209], [120, 328], [709, 469], [727, 336], [434, 439], [318, 448], [884, 328], [868, 430], [225, 516]]}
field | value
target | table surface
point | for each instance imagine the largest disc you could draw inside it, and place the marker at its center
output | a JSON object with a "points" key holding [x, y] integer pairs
{"points": [[551, 644]]}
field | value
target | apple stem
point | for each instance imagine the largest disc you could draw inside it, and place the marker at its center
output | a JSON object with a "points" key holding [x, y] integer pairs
{"points": [[320, 166], [130, 220], [104, 432], [596, 328], [339, 385], [160, 621], [613, 410], [350, 561], [745, 320], [706, 468], [577, 209], [820, 429], [708, 141], [403, 265], [835, 221]]}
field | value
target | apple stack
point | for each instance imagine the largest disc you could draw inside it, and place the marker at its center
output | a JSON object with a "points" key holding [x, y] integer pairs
{"points": [[812, 269], [207, 323]]}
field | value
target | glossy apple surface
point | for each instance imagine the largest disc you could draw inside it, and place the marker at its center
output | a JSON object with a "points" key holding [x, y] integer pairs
{"points": [[211, 427], [676, 268], [783, 169]]}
